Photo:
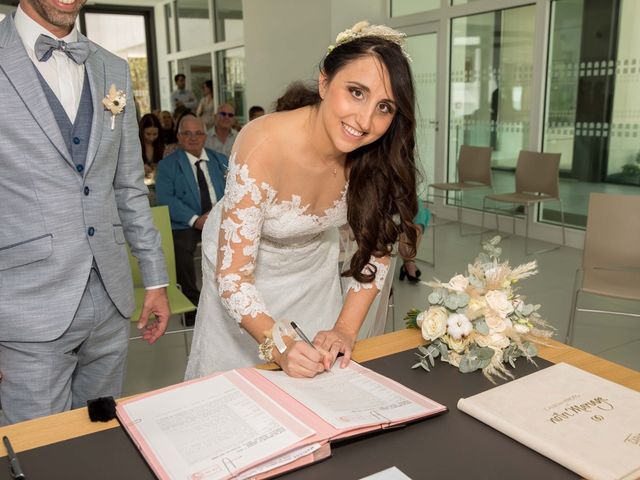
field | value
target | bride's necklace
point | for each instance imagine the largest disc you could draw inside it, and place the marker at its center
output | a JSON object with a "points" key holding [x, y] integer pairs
{"points": [[336, 163]]}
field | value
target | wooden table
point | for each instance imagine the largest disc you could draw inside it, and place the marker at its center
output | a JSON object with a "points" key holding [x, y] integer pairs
{"points": [[63, 426]]}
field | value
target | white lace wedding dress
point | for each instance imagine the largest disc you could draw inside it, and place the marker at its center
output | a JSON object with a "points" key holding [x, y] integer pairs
{"points": [[263, 255]]}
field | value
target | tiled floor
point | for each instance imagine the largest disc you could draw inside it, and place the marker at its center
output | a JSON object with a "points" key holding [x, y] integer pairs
{"points": [[613, 337]]}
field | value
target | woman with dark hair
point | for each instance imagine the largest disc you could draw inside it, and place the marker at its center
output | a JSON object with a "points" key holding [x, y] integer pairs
{"points": [[206, 109], [341, 152], [149, 130]]}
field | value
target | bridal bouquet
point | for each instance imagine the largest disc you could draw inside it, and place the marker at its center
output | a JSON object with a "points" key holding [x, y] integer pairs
{"points": [[480, 321]]}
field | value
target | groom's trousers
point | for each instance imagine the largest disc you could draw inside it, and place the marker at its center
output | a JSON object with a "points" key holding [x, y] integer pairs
{"points": [[85, 362]]}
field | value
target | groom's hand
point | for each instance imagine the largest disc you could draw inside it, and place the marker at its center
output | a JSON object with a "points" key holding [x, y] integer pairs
{"points": [[156, 303]]}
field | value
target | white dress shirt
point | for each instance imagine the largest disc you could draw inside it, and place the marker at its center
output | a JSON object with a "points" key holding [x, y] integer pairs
{"points": [[64, 76], [212, 193]]}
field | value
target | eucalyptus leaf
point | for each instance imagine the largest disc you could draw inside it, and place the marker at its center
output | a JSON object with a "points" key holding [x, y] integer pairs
{"points": [[424, 364], [475, 282], [463, 299], [423, 350], [469, 364], [484, 353], [481, 326], [451, 302], [483, 362], [435, 298]]}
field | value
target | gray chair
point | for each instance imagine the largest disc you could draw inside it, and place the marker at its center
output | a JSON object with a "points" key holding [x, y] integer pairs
{"points": [[473, 171], [611, 256], [537, 181]]}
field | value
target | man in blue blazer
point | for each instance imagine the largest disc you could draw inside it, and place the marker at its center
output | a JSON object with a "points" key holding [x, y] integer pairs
{"points": [[190, 181]]}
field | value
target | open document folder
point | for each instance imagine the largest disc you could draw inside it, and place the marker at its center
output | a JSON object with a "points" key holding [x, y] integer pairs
{"points": [[250, 423]]}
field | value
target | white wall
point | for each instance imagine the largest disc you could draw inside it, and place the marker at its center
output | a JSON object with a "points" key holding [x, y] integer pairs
{"points": [[286, 39]]}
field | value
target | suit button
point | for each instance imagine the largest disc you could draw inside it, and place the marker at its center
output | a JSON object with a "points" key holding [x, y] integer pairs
{"points": [[76, 140], [86, 190], [91, 231], [80, 168]]}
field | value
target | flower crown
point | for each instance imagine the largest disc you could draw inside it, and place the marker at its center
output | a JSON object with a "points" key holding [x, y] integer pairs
{"points": [[363, 29]]}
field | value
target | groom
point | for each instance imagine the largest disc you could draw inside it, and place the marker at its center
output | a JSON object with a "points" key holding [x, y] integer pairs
{"points": [[71, 195]]}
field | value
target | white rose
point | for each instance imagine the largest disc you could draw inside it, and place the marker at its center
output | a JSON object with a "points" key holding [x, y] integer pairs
{"points": [[434, 323], [458, 345], [494, 340], [498, 302], [459, 326], [459, 283], [496, 323], [521, 328]]}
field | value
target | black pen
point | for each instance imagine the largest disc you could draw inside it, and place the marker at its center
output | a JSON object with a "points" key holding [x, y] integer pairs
{"points": [[301, 334], [296, 328], [14, 464]]}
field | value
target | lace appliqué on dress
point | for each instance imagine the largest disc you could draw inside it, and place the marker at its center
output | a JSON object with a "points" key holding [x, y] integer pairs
{"points": [[245, 201], [382, 270]]}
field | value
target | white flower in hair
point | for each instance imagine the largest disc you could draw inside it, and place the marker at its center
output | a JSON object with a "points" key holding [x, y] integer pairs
{"points": [[363, 29]]}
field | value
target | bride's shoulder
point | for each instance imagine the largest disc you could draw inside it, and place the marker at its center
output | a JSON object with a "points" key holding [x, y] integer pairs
{"points": [[263, 139]]}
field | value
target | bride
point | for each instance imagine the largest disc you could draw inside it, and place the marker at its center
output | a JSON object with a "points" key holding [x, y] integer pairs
{"points": [[343, 152]]}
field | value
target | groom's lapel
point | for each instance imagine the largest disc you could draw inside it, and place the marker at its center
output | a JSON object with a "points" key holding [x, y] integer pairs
{"points": [[17, 66], [96, 73]]}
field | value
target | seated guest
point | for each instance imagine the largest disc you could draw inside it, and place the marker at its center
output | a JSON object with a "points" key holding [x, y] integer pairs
{"points": [[168, 127], [171, 147], [222, 135], [255, 112], [190, 181], [151, 142]]}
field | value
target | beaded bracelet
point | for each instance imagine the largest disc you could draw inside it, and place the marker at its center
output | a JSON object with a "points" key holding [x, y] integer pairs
{"points": [[265, 350]]}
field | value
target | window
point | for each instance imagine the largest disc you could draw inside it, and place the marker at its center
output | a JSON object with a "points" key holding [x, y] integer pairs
{"points": [[490, 90], [125, 32], [592, 116], [230, 66]]}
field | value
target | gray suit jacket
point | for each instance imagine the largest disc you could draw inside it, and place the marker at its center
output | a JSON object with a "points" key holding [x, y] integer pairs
{"points": [[53, 220]]}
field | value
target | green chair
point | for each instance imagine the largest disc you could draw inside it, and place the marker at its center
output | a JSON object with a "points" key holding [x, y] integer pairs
{"points": [[178, 302]]}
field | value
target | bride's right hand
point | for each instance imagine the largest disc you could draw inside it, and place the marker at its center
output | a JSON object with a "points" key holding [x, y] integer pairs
{"points": [[301, 359]]}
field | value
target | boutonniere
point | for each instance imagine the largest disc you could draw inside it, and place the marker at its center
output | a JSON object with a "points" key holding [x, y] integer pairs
{"points": [[115, 102]]}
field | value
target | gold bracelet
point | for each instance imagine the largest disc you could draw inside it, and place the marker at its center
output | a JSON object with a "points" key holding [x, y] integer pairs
{"points": [[265, 350]]}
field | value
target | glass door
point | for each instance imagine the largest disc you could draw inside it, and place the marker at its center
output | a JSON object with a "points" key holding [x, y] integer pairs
{"points": [[422, 47]]}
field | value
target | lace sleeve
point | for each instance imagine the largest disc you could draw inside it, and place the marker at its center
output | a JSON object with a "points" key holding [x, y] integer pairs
{"points": [[382, 269], [246, 196]]}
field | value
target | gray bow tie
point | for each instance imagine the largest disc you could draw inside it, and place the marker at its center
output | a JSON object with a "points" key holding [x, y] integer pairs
{"points": [[76, 51]]}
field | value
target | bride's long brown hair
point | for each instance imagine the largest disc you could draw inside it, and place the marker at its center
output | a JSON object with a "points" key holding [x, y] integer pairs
{"points": [[381, 199]]}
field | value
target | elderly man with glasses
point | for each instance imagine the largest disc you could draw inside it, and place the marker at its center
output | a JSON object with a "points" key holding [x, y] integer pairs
{"points": [[222, 135], [190, 181]]}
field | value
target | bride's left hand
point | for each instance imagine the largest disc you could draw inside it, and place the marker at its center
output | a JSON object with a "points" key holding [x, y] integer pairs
{"points": [[335, 341]]}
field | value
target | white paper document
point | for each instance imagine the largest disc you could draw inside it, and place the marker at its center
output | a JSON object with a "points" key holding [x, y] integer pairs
{"points": [[349, 397], [209, 430], [393, 473]]}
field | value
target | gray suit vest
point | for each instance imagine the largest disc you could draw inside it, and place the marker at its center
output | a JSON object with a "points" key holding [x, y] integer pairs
{"points": [[75, 135]]}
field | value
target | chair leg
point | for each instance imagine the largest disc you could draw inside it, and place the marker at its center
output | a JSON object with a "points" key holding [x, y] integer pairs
{"points": [[526, 228], [564, 237], [484, 202], [574, 304]]}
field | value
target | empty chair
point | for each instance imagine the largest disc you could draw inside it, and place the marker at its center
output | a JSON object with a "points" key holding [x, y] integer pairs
{"points": [[611, 256], [473, 172], [537, 181], [178, 302]]}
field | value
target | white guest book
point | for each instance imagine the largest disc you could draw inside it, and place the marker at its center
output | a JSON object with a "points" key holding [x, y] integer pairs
{"points": [[581, 421]]}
